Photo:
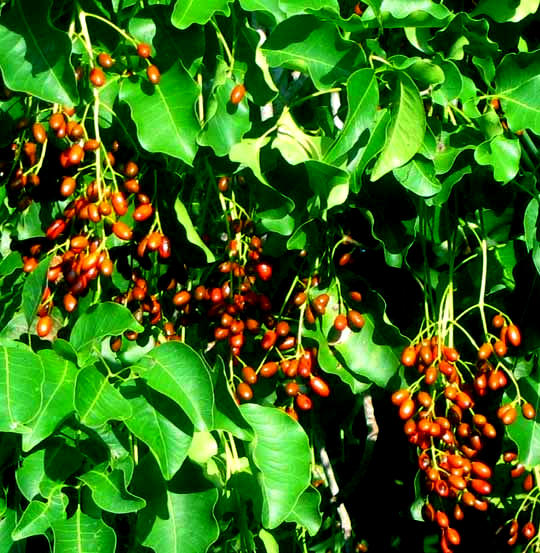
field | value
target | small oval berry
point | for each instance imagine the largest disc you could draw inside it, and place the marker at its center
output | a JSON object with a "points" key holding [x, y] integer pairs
{"points": [[319, 386], [249, 375], [408, 356], [44, 326], [244, 391], [303, 402], [122, 231], [528, 410], [144, 50], [355, 318], [238, 93], [513, 335], [97, 77], [153, 74]]}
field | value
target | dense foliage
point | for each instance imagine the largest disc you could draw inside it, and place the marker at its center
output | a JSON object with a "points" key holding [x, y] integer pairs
{"points": [[269, 275]]}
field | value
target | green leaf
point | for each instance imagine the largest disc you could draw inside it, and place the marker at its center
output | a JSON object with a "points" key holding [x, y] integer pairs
{"points": [[33, 290], [34, 56], [419, 177], [106, 319], [179, 372], [284, 463], [248, 152], [526, 433], [530, 222], [58, 391], [164, 114], [307, 512], [270, 7], [330, 186], [413, 13], [506, 10], [158, 422], [503, 154], [39, 516], [270, 543], [97, 401], [187, 12], [10, 264], [517, 81], [362, 100], [109, 491], [309, 45], [21, 381], [175, 509], [83, 534], [7, 525], [226, 123], [295, 7], [191, 233], [407, 127]]}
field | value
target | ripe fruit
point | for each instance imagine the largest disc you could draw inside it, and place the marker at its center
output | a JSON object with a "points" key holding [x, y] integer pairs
{"points": [[105, 60], [355, 318], [44, 326], [237, 93], [244, 391], [528, 530], [143, 212], [97, 77], [223, 184], [119, 203], [153, 74], [292, 389], [269, 369], [408, 357], [144, 50], [485, 351], [40, 135], [122, 231], [529, 412], [399, 396], [340, 322], [513, 335], [406, 409], [319, 386], [264, 271], [303, 402], [249, 375], [70, 302], [497, 321]]}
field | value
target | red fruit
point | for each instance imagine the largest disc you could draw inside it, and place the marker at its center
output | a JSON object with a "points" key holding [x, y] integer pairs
{"points": [[507, 414], [122, 231], [399, 396], [529, 412], [105, 60], [485, 351], [97, 77], [500, 348], [408, 357], [528, 530], [292, 389], [143, 212], [303, 402], [442, 519], [144, 50], [165, 248], [44, 326], [269, 339], [249, 375], [513, 335], [119, 203], [39, 132], [237, 93], [264, 270], [481, 486], [355, 318], [340, 322], [70, 302], [450, 354], [481, 470], [497, 321], [244, 391], [154, 241], [223, 184], [406, 409], [319, 386], [453, 536], [269, 369], [153, 74], [56, 228]]}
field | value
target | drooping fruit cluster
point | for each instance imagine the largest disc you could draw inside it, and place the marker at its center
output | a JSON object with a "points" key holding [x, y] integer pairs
{"points": [[446, 417]]}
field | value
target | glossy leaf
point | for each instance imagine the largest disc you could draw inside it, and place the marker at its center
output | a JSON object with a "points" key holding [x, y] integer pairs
{"points": [[106, 319], [161, 426], [191, 233], [418, 176], [109, 491], [10, 263], [33, 290], [416, 13], [97, 401], [503, 154], [164, 113], [406, 130], [517, 80], [307, 44], [506, 10], [21, 382], [274, 456], [84, 534], [180, 373], [58, 391], [187, 12], [34, 55], [307, 512]]}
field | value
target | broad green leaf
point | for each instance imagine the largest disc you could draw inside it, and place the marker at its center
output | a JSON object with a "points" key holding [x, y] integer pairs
{"points": [[530, 222], [503, 154], [21, 382], [202, 448], [425, 73], [7, 525], [116, 439], [526, 433], [34, 56], [164, 114], [506, 10], [407, 127], [39, 516], [307, 512], [284, 463], [82, 533], [109, 491], [187, 12], [418, 176], [58, 391], [33, 290], [175, 509], [296, 7], [106, 319], [158, 422], [271, 545], [307, 44], [270, 7], [191, 233], [226, 123], [248, 152], [10, 264], [517, 82], [362, 101], [413, 13], [97, 401], [179, 372], [31, 473], [330, 186]]}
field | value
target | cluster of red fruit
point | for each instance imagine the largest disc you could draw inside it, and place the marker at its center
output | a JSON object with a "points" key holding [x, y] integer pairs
{"points": [[442, 417]]}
